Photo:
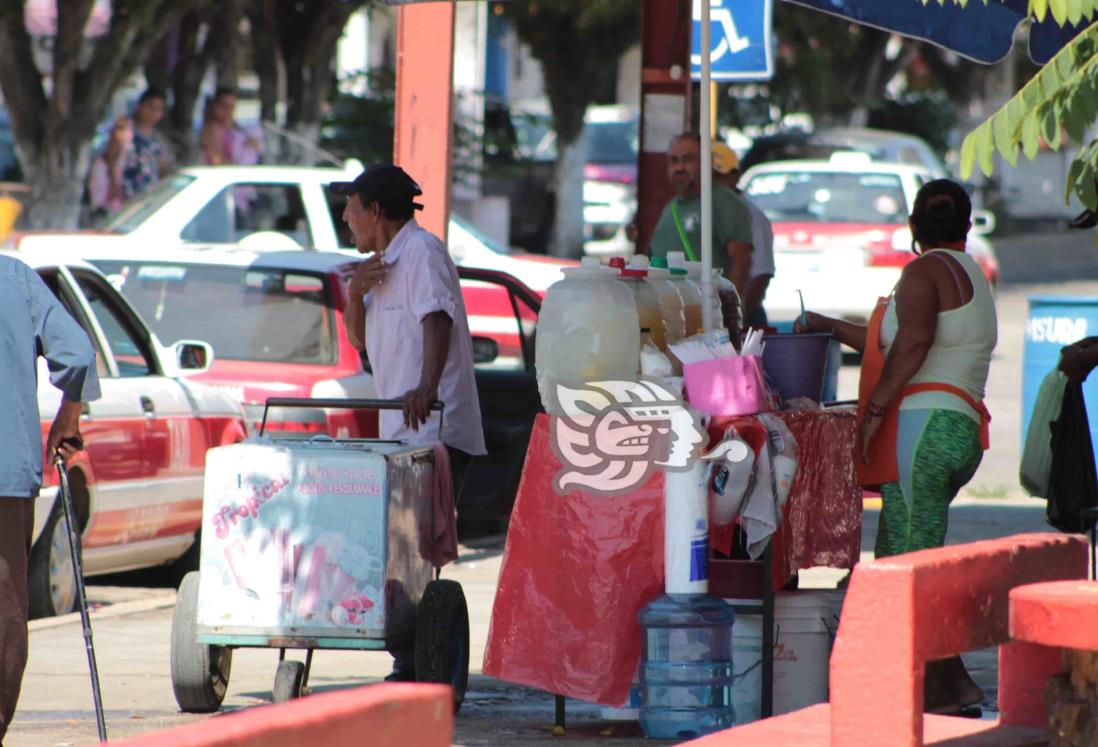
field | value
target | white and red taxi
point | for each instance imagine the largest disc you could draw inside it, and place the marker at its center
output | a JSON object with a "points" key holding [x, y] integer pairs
{"points": [[840, 232], [137, 485], [275, 323]]}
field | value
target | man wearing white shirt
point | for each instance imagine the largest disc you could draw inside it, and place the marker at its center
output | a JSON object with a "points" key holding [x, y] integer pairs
{"points": [[407, 312]]}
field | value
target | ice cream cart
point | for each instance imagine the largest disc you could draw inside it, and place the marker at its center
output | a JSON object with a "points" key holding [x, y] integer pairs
{"points": [[313, 544]]}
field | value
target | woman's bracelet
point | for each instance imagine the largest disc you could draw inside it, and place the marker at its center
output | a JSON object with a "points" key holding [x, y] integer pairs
{"points": [[874, 410]]}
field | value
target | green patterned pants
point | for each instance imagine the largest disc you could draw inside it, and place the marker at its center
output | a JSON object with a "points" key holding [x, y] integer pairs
{"points": [[937, 453]]}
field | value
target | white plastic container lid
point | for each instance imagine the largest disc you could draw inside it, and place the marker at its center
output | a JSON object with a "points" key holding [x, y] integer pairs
{"points": [[589, 267], [676, 259], [639, 262]]}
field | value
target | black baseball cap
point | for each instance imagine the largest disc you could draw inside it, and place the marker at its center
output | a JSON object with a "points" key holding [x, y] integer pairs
{"points": [[384, 183]]}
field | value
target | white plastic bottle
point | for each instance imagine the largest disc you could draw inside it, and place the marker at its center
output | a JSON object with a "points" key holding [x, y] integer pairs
{"points": [[649, 310], [587, 330]]}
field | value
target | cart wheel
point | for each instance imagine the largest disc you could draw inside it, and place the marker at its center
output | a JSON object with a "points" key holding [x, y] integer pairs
{"points": [[442, 638], [288, 678], [200, 673]]}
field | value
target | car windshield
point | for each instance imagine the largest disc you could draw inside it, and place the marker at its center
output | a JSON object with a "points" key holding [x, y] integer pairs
{"points": [[829, 197], [611, 142], [138, 211], [244, 313]]}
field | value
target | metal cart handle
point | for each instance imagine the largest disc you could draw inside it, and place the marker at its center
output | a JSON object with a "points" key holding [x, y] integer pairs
{"points": [[344, 404]]}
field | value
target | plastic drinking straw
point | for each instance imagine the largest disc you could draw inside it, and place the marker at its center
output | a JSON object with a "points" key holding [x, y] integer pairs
{"points": [[801, 296]]}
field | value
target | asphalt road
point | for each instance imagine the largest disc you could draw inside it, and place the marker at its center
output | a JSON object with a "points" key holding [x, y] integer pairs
{"points": [[133, 625]]}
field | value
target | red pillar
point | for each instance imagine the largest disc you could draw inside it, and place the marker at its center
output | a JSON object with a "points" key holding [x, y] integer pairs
{"points": [[424, 105], [665, 51]]}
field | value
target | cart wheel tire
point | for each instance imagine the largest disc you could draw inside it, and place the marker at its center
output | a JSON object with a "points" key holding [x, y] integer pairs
{"points": [[288, 678], [442, 638], [51, 577], [200, 673]]}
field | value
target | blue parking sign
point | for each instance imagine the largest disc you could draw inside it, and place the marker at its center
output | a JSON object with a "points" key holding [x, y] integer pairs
{"points": [[740, 40]]}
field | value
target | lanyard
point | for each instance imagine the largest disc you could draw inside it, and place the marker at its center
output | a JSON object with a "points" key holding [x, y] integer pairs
{"points": [[682, 232]]}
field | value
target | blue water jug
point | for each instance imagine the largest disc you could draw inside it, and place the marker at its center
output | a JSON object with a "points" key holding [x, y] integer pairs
{"points": [[686, 669]]}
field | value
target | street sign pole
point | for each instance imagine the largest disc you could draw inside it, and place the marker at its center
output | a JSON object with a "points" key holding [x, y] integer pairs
{"points": [[706, 172]]}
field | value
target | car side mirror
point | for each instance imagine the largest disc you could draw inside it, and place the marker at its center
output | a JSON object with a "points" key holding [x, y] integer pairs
{"points": [[983, 222], [485, 350], [193, 356]]}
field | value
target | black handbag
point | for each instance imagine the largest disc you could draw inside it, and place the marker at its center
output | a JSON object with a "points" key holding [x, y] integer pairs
{"points": [[1073, 483]]}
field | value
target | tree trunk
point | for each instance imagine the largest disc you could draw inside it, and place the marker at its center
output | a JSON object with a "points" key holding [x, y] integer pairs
{"points": [[57, 186], [568, 182]]}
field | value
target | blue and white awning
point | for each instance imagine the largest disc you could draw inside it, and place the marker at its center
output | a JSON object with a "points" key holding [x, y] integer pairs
{"points": [[980, 32]]}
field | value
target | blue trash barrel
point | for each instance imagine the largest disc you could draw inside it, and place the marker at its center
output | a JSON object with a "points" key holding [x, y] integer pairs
{"points": [[1055, 321]]}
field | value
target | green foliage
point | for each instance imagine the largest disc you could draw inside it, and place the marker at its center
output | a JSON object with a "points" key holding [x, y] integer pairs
{"points": [[362, 126], [578, 43], [1061, 97]]}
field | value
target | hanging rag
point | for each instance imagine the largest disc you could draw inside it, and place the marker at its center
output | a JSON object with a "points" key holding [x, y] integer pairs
{"points": [[438, 535]]}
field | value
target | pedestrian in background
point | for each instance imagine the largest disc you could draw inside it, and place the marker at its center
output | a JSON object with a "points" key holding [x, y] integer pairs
{"points": [[726, 173], [223, 140], [32, 323], [679, 227], [135, 158]]}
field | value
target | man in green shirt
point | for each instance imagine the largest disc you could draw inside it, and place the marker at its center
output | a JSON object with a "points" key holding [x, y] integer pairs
{"points": [[679, 228]]}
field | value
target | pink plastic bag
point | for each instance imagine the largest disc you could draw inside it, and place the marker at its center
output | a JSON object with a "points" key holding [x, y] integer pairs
{"points": [[727, 386]]}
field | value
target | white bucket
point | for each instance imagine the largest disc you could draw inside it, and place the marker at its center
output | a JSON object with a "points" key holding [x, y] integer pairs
{"points": [[801, 621]]}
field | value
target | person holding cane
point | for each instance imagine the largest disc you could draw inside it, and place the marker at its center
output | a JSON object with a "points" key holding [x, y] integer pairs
{"points": [[32, 323]]}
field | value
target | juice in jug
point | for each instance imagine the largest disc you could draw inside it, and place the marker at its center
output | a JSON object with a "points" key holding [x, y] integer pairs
{"points": [[688, 290], [659, 277], [649, 311], [694, 272], [587, 330]]}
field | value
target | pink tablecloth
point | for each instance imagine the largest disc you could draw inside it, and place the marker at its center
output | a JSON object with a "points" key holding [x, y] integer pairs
{"points": [[578, 568]]}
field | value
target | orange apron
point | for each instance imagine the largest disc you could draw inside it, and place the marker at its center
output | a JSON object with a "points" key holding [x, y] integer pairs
{"points": [[881, 467]]}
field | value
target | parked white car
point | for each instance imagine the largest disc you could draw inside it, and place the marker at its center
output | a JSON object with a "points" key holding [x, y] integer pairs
{"points": [[267, 208], [137, 485], [841, 234]]}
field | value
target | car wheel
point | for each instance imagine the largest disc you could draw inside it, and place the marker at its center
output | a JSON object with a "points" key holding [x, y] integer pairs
{"points": [[51, 578]]}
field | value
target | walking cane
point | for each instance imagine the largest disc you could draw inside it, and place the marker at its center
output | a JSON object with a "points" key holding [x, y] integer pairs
{"points": [[74, 548]]}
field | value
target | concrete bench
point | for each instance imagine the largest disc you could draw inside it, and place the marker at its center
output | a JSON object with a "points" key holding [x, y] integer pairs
{"points": [[390, 715], [904, 611]]}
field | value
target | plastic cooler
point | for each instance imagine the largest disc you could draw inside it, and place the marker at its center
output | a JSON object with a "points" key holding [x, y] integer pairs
{"points": [[1056, 321], [314, 539]]}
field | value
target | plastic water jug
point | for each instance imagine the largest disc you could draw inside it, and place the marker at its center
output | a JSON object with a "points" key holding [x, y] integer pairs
{"points": [[649, 312], [731, 308], [694, 272], [670, 301], [688, 289], [588, 330], [686, 669]]}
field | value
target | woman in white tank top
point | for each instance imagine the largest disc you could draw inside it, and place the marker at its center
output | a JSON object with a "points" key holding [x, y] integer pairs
{"points": [[923, 425]]}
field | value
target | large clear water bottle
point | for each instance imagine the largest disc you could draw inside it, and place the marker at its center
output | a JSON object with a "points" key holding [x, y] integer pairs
{"points": [[686, 671], [588, 330]]}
